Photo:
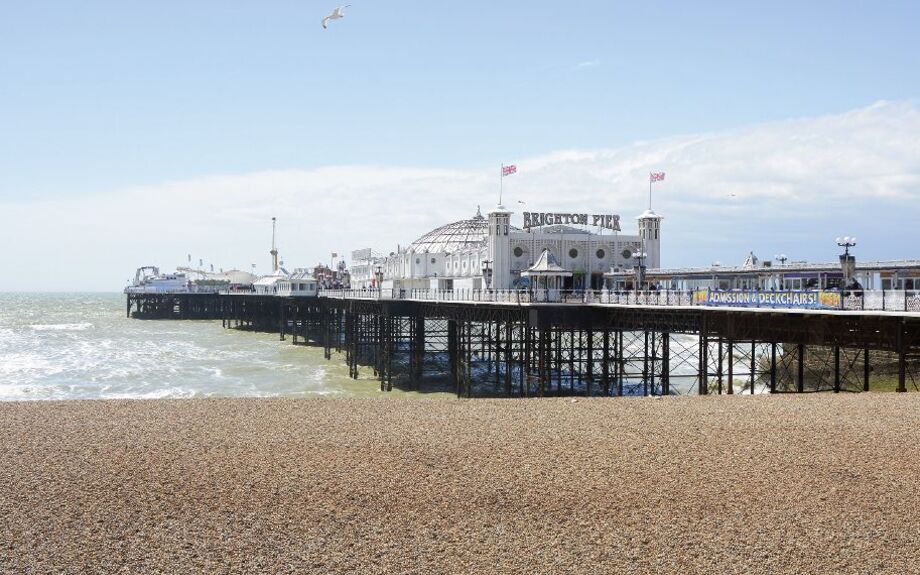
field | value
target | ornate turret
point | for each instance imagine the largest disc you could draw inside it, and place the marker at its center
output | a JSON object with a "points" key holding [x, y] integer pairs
{"points": [[499, 253], [650, 234]]}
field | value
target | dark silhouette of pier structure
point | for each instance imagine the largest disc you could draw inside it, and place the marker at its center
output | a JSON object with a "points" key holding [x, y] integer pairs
{"points": [[553, 349]]}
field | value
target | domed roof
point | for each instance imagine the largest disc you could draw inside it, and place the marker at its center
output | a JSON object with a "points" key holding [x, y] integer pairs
{"points": [[454, 237]]}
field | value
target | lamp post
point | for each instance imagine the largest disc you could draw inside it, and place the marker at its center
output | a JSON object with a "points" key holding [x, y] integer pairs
{"points": [[847, 262], [378, 274], [487, 273], [782, 259], [640, 269]]}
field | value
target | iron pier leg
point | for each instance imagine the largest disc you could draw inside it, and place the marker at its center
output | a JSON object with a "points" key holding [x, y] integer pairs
{"points": [[509, 343], [590, 378], [645, 367], [902, 359], [703, 360], [731, 367], [605, 362], [719, 368], [527, 355], [542, 352], [620, 364], [281, 308], [866, 369], [665, 364], [753, 365], [800, 385], [773, 367], [836, 369], [453, 355]]}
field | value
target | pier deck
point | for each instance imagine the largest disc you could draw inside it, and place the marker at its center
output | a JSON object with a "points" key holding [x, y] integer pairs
{"points": [[539, 348]]}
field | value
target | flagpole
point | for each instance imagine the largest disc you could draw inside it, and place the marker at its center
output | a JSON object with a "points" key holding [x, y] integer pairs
{"points": [[650, 191], [501, 183]]}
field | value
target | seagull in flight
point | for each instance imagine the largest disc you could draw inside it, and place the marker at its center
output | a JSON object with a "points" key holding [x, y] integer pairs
{"points": [[335, 15]]}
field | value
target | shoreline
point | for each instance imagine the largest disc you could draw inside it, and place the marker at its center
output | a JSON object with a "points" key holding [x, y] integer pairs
{"points": [[744, 484]]}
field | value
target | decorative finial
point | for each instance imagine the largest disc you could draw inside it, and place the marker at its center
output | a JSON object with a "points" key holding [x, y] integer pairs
{"points": [[478, 212]]}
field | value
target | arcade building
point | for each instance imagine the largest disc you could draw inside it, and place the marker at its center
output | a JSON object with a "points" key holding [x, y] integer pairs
{"points": [[490, 252]]}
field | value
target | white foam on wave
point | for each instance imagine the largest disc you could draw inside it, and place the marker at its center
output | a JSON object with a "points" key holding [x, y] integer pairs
{"points": [[161, 393], [27, 363], [61, 326]]}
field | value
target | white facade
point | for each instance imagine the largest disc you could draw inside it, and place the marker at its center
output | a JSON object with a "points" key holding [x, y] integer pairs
{"points": [[455, 256], [301, 283]]}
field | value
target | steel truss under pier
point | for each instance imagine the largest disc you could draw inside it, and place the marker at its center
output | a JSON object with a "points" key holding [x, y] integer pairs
{"points": [[174, 306], [593, 350]]}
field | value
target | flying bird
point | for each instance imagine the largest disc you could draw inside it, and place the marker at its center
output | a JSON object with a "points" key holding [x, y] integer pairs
{"points": [[335, 15]]}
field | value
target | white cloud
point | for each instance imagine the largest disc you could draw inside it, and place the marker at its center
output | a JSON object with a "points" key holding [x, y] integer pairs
{"points": [[797, 184], [588, 64]]}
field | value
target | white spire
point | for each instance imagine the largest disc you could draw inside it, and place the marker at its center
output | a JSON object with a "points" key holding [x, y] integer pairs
{"points": [[274, 251]]}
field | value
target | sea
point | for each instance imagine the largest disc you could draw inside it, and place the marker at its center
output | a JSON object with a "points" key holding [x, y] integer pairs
{"points": [[82, 346]]}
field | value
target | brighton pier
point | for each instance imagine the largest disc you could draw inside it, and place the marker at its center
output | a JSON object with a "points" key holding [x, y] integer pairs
{"points": [[481, 308], [637, 343]]}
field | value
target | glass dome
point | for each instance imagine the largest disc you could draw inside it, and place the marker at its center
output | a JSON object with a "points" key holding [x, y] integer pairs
{"points": [[454, 237]]}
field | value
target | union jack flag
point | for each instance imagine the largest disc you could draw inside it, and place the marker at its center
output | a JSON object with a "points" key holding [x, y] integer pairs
{"points": [[656, 177], [508, 170]]}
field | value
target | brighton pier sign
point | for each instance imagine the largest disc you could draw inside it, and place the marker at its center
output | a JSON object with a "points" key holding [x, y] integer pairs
{"points": [[539, 219]]}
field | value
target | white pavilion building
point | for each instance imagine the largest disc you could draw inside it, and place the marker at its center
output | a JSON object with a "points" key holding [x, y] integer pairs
{"points": [[489, 252]]}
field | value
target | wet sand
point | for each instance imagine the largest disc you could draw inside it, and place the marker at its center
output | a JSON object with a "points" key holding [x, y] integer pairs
{"points": [[817, 484]]}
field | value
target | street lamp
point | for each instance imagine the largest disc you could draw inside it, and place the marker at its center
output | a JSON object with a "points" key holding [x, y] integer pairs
{"points": [[487, 273], [846, 242], [847, 262], [640, 269], [782, 259]]}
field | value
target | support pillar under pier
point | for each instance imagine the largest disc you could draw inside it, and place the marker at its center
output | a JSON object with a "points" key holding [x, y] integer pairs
{"points": [[665, 364], [902, 360], [731, 367]]}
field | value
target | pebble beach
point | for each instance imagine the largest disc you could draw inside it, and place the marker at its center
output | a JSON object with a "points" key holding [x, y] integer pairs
{"points": [[762, 484]]}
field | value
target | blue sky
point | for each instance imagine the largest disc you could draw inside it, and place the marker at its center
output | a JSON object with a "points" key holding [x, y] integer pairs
{"points": [[101, 99]]}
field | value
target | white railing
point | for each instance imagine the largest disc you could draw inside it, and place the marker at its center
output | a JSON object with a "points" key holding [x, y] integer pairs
{"points": [[662, 297], [170, 290], [868, 300], [882, 300]]}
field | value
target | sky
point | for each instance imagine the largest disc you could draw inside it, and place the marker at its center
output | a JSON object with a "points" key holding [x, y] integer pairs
{"points": [[136, 133]]}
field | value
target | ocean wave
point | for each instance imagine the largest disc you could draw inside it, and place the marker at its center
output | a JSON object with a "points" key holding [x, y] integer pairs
{"points": [[161, 393], [27, 363], [61, 326]]}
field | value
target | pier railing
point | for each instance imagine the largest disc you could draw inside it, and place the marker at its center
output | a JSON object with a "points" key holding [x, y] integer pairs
{"points": [[196, 289], [659, 297], [861, 300]]}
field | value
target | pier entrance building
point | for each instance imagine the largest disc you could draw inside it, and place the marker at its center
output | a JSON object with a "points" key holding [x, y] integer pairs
{"points": [[491, 252]]}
